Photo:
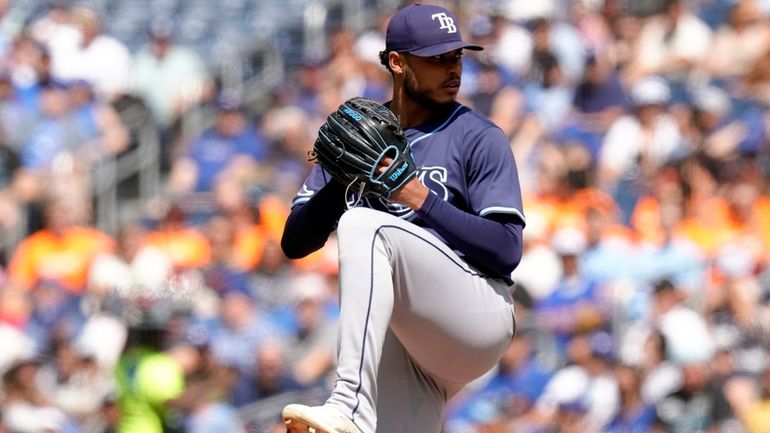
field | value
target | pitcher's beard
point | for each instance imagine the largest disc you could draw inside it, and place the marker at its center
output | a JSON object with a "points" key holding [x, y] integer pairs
{"points": [[410, 89]]}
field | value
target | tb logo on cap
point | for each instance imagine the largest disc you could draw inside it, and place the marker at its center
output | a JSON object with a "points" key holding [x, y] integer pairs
{"points": [[446, 22]]}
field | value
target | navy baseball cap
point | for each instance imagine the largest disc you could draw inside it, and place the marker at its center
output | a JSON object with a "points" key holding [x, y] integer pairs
{"points": [[425, 31]]}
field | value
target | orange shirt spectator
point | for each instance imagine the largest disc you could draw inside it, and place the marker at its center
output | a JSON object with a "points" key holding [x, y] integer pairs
{"points": [[710, 226], [249, 247], [570, 210], [61, 252], [760, 218], [186, 246], [251, 237]]}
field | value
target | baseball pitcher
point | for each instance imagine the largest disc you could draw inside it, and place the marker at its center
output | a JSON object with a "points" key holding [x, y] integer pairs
{"points": [[424, 195]]}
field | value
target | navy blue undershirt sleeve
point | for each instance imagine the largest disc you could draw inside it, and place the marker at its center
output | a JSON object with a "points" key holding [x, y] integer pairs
{"points": [[309, 224], [495, 245]]}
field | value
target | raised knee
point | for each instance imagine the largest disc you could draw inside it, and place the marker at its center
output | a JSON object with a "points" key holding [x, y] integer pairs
{"points": [[357, 219]]}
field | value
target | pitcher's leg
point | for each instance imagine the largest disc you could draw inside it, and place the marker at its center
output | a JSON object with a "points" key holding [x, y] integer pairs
{"points": [[366, 303], [453, 323], [410, 400]]}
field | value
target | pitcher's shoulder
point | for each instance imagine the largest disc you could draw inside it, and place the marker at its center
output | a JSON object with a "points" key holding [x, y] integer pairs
{"points": [[473, 119]]}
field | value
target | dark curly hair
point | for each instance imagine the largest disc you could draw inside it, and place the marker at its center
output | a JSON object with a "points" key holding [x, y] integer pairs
{"points": [[384, 59]]}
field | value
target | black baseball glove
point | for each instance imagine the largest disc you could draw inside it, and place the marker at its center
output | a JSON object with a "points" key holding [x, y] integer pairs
{"points": [[355, 140]]}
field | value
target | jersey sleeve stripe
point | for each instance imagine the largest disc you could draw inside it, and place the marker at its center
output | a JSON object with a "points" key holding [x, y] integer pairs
{"points": [[505, 210], [300, 200]]}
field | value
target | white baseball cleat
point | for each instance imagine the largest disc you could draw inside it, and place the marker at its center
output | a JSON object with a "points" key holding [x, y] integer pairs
{"points": [[316, 419]]}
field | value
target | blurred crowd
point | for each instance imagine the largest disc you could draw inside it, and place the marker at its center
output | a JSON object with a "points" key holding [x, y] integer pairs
{"points": [[640, 131]]}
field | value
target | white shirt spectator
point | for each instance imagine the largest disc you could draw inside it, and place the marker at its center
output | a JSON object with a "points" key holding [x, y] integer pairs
{"points": [[56, 32], [23, 417], [657, 49], [664, 379], [734, 51], [572, 384], [97, 58], [102, 337], [16, 345], [687, 336], [105, 63], [513, 50], [168, 84], [626, 139]]}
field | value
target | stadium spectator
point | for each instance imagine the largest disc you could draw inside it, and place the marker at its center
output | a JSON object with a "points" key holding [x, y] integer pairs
{"points": [[577, 304], [167, 75], [351, 74], [29, 68], [73, 382], [205, 404], [599, 100], [55, 138], [311, 341], [105, 134], [6, 34], [688, 338], [585, 385], [239, 330], [309, 80], [489, 87], [609, 244], [25, 408], [62, 251], [751, 401], [223, 272], [254, 222], [55, 315], [233, 147], [15, 121], [634, 415], [624, 28], [639, 143], [560, 37], [94, 56], [290, 131], [692, 407], [732, 305], [271, 376], [670, 44], [548, 96], [148, 379], [512, 42], [660, 375], [754, 86], [739, 41], [186, 246], [216, 416]]}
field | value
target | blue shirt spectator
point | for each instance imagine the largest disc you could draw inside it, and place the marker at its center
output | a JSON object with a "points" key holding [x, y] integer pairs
{"points": [[232, 147], [239, 331], [56, 132], [271, 377], [215, 417]]}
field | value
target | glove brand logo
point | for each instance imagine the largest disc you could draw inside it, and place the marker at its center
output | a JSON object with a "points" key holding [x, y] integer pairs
{"points": [[399, 171], [434, 178], [446, 22], [353, 113]]}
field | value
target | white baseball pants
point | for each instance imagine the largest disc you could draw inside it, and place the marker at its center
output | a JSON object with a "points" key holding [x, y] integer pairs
{"points": [[416, 324]]}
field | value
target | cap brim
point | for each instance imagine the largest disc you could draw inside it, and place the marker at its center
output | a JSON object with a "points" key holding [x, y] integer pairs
{"points": [[446, 47]]}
